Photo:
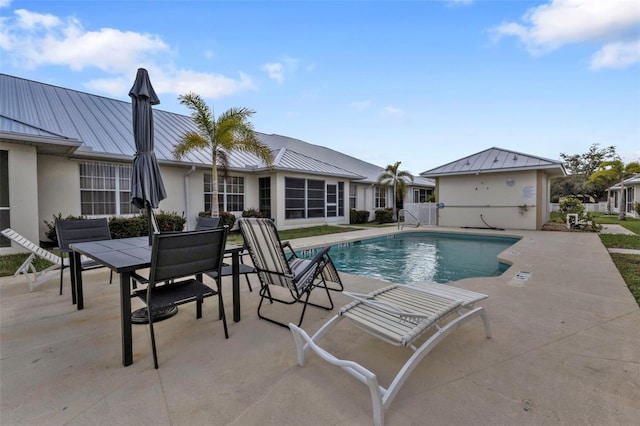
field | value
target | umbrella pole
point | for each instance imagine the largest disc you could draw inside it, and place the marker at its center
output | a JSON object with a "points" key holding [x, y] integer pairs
{"points": [[150, 229]]}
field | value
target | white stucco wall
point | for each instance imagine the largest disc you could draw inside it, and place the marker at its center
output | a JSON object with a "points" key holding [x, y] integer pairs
{"points": [[23, 192], [59, 189], [495, 196]]}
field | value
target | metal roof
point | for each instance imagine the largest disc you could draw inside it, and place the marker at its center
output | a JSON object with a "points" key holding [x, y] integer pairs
{"points": [[496, 160], [633, 180], [93, 126]]}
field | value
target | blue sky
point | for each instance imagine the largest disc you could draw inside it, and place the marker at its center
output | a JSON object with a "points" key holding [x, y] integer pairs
{"points": [[421, 82]]}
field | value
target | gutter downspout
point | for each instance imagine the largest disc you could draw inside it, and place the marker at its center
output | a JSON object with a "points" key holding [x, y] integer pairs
{"points": [[186, 196]]}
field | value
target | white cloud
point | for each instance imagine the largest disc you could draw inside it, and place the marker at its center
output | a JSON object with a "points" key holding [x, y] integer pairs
{"points": [[563, 22], [32, 40], [5, 3], [617, 55], [275, 71]]}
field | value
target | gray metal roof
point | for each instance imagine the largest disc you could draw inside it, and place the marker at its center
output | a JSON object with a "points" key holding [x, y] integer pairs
{"points": [[93, 126], [633, 180], [496, 160]]}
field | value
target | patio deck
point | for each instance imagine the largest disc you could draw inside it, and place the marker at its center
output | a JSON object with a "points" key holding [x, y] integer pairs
{"points": [[565, 350]]}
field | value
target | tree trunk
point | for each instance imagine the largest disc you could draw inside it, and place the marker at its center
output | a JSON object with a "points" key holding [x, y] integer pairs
{"points": [[623, 202], [215, 210], [394, 216]]}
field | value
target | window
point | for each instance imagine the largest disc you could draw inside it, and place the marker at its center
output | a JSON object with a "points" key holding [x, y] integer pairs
{"points": [[340, 198], [315, 198], [420, 195], [230, 193], [303, 198], [264, 196], [105, 189], [353, 193], [629, 199], [380, 197], [5, 212]]}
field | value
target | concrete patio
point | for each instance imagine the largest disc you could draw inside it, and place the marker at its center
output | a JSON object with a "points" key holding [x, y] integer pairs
{"points": [[565, 350]]}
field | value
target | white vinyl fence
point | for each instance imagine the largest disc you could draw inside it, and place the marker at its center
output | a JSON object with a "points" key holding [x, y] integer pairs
{"points": [[600, 207], [422, 213]]}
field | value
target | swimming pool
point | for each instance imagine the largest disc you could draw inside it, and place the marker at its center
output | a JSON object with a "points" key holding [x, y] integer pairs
{"points": [[422, 256]]}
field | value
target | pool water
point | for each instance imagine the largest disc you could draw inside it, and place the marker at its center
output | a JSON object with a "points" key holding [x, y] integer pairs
{"points": [[422, 256]]}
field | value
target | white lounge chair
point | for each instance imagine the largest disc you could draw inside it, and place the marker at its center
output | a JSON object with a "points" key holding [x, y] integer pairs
{"points": [[33, 277], [399, 315]]}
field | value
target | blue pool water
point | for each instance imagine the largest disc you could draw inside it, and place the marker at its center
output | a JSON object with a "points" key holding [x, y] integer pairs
{"points": [[423, 256]]}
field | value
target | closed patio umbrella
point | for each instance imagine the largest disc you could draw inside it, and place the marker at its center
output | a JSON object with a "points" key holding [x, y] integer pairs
{"points": [[147, 188]]}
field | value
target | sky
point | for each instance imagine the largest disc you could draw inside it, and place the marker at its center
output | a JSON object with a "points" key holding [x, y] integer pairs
{"points": [[420, 82]]}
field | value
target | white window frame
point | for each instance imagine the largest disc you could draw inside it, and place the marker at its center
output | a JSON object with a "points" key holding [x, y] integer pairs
{"points": [[96, 181], [380, 197], [227, 188]]}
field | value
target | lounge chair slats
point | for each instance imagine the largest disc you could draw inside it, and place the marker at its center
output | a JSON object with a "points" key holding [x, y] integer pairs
{"points": [[399, 315], [34, 277]]}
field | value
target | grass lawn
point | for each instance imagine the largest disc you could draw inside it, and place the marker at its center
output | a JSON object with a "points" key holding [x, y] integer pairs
{"points": [[629, 267]]}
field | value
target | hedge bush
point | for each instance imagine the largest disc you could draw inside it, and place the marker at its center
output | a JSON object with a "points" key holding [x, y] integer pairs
{"points": [[252, 213], [384, 216], [358, 216], [126, 227], [226, 218]]}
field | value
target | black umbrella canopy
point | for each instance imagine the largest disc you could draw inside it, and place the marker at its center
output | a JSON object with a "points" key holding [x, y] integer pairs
{"points": [[147, 188]]}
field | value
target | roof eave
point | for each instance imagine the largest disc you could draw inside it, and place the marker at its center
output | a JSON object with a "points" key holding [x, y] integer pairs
{"points": [[559, 171], [44, 144]]}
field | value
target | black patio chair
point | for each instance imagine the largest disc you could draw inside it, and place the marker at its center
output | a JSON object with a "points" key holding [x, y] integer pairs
{"points": [[178, 261], [299, 276], [79, 231], [203, 222]]}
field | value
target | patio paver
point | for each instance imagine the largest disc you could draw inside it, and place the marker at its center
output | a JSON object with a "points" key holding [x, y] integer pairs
{"points": [[565, 350]]}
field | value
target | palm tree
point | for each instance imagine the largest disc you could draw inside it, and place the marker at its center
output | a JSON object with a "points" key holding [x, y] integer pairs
{"points": [[231, 131], [396, 178], [616, 171]]}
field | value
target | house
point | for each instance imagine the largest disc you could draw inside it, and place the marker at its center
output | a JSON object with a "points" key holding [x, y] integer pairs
{"points": [[495, 188], [631, 188], [70, 152]]}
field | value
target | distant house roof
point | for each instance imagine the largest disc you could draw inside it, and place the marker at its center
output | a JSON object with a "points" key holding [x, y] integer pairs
{"points": [[633, 180], [496, 160], [92, 126]]}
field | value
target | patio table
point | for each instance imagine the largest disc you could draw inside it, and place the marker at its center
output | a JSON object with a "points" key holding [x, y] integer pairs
{"points": [[125, 256]]}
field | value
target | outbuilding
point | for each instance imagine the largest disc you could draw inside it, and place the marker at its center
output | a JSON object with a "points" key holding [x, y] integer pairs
{"points": [[495, 188]]}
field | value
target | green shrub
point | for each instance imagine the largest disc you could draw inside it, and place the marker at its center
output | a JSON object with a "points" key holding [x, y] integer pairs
{"points": [[571, 205], [226, 218], [384, 216], [51, 226], [252, 213], [358, 216], [126, 227], [137, 226]]}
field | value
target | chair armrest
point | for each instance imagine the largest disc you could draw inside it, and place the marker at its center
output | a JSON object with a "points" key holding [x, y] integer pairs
{"points": [[139, 278], [314, 262], [287, 245]]}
